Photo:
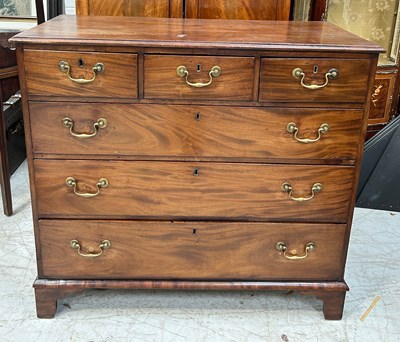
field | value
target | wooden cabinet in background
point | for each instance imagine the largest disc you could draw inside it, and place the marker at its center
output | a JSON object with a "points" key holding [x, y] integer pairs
{"points": [[135, 8], [238, 9], [195, 9]]}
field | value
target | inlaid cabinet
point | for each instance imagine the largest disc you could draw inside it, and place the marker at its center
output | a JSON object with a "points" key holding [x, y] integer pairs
{"points": [[193, 154]]}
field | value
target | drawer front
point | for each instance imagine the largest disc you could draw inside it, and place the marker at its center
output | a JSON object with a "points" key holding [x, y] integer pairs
{"points": [[118, 79], [278, 84], [230, 133], [174, 190], [190, 250], [235, 81]]}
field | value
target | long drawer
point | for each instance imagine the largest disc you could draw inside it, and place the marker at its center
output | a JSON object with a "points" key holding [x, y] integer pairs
{"points": [[190, 250], [195, 132], [173, 190], [293, 79], [80, 74], [198, 77]]}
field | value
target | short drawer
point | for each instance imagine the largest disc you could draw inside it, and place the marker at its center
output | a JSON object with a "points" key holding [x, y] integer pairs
{"points": [[173, 190], [195, 132], [198, 77], [190, 250], [314, 80], [94, 74]]}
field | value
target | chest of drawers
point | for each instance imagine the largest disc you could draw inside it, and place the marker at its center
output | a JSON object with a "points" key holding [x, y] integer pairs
{"points": [[185, 154]]}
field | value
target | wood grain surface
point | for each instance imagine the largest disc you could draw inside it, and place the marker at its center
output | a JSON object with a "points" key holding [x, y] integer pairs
{"points": [[195, 175], [278, 85], [172, 190], [189, 250], [258, 35], [43, 76], [195, 132], [139, 8], [238, 9], [162, 82]]}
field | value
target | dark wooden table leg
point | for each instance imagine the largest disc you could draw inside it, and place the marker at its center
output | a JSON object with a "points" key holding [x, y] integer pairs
{"points": [[4, 169]]}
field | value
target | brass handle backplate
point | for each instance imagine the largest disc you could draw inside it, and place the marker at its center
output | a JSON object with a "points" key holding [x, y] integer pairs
{"points": [[106, 244], [292, 255], [69, 123], [71, 182], [97, 69], [298, 73], [292, 128], [182, 71], [287, 187]]}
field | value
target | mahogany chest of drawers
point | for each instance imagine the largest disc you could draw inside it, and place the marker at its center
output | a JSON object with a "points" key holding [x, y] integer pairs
{"points": [[193, 154]]}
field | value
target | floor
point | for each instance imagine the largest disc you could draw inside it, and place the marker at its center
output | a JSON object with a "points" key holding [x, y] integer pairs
{"points": [[373, 270]]}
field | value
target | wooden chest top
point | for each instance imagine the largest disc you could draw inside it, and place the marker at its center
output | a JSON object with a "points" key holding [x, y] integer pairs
{"points": [[196, 33]]}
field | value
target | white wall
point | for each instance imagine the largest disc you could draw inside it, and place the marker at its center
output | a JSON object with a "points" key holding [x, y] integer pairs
{"points": [[69, 6]]}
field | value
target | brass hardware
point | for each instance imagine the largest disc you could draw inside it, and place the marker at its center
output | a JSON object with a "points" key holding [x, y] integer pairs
{"points": [[71, 182], [197, 116], [292, 255], [292, 128], [68, 123], [182, 71], [196, 171], [286, 187], [97, 69], [106, 244], [330, 75]]}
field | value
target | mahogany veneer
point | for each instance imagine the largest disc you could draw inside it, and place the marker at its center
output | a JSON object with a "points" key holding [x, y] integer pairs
{"points": [[195, 157]]}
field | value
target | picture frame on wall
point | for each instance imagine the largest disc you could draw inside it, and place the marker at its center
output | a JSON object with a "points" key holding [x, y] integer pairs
{"points": [[17, 14], [17, 9]]}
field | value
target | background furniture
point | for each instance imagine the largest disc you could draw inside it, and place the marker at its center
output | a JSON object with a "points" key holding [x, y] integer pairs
{"points": [[139, 8], [377, 21], [201, 163], [9, 85], [198, 9], [238, 9]]}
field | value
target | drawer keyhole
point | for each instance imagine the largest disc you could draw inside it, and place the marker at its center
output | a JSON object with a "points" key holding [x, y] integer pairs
{"points": [[196, 171], [81, 63], [198, 67], [194, 231], [315, 70], [197, 116]]}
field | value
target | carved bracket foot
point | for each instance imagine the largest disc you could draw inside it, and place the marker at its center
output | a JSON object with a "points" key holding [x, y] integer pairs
{"points": [[333, 302]]}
